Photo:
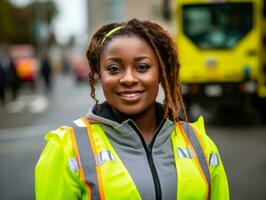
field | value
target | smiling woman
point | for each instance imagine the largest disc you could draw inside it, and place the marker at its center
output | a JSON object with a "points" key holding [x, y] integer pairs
{"points": [[131, 147], [130, 76], [130, 81]]}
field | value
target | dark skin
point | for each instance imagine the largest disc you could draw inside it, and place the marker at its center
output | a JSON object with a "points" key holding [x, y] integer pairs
{"points": [[130, 81]]}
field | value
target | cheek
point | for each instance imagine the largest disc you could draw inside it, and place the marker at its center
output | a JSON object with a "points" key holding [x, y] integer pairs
{"points": [[105, 79], [152, 84], [155, 88], [154, 78], [155, 83], [106, 89], [108, 83]]}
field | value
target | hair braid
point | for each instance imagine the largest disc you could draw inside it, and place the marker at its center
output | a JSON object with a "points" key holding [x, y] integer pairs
{"points": [[93, 56], [166, 52], [173, 99]]}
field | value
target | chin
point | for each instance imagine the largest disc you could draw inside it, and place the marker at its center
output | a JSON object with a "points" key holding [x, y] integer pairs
{"points": [[130, 111]]}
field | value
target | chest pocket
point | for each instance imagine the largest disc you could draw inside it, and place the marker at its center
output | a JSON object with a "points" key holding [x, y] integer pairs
{"points": [[192, 180], [102, 171]]}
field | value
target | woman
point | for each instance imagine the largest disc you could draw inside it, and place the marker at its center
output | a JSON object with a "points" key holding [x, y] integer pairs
{"points": [[131, 147]]}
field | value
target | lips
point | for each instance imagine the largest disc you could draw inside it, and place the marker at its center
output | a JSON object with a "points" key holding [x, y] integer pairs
{"points": [[130, 95]]}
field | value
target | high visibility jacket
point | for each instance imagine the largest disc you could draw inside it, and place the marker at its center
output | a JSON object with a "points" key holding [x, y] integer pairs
{"points": [[80, 162]]}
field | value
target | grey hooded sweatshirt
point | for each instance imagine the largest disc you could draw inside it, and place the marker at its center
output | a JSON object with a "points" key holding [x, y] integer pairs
{"points": [[151, 166]]}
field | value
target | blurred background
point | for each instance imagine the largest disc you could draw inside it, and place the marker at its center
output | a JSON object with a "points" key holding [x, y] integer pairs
{"points": [[43, 78]]}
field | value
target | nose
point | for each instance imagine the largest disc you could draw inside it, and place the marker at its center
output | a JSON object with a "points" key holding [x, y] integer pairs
{"points": [[128, 78]]}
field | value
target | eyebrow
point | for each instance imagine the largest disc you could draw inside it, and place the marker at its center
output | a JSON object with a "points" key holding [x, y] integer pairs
{"points": [[118, 59], [141, 58]]}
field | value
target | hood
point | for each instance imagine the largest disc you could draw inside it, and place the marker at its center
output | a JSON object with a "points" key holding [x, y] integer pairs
{"points": [[106, 116]]}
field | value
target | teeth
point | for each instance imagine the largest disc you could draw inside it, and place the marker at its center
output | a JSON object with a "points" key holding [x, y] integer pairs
{"points": [[130, 95]]}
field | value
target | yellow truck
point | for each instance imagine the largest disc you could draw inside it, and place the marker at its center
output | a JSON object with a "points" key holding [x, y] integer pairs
{"points": [[221, 45]]}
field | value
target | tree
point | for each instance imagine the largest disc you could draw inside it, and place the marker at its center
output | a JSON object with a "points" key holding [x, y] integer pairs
{"points": [[17, 24]]}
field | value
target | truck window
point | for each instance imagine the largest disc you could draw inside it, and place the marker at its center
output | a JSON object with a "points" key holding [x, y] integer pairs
{"points": [[217, 26]]}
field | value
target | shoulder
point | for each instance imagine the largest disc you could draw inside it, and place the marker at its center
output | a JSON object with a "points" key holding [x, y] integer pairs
{"points": [[61, 138], [206, 142], [59, 164], [58, 153], [208, 146]]}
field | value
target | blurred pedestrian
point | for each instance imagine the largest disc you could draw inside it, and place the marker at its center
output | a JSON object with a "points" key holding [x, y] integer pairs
{"points": [[13, 78], [2, 84], [46, 72], [66, 65], [132, 147]]}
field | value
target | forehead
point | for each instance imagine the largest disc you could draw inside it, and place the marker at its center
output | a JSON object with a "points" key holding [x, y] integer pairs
{"points": [[127, 45]]}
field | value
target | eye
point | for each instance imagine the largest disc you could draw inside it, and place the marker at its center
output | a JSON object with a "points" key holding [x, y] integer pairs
{"points": [[143, 67], [113, 69]]}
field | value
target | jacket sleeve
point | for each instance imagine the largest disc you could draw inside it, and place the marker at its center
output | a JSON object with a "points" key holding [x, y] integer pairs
{"points": [[219, 183], [53, 177]]}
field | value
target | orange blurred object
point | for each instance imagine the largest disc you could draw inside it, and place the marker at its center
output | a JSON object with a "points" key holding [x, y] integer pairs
{"points": [[25, 61], [26, 69]]}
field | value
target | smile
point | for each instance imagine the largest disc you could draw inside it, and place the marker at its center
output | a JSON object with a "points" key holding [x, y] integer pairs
{"points": [[130, 95]]}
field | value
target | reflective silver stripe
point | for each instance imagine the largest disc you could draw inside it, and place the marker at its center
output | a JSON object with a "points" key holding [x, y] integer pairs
{"points": [[80, 123], [199, 152], [184, 153], [73, 164], [104, 156], [214, 160], [87, 159]]}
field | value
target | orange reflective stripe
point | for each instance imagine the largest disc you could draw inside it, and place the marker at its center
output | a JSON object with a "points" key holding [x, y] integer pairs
{"points": [[196, 158], [76, 151], [196, 131], [203, 150], [94, 150], [183, 134]]}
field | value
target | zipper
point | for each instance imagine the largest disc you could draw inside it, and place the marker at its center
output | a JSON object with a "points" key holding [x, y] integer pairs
{"points": [[148, 150], [156, 133]]}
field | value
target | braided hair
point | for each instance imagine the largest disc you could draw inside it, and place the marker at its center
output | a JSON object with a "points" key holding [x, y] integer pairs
{"points": [[164, 48]]}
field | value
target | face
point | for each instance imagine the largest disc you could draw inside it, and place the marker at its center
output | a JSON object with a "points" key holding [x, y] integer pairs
{"points": [[129, 75]]}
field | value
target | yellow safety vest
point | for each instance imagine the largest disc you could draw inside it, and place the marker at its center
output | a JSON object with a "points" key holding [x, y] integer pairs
{"points": [[107, 178]]}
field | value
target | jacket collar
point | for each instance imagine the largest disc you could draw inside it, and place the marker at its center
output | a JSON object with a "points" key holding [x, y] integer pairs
{"points": [[106, 116]]}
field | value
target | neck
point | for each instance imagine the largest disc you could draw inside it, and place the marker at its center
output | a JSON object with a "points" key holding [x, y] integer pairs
{"points": [[146, 121]]}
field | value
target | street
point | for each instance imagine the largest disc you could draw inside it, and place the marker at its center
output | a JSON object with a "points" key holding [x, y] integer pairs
{"points": [[240, 137]]}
